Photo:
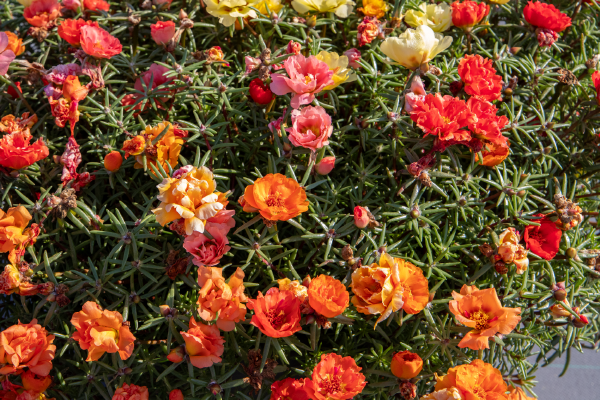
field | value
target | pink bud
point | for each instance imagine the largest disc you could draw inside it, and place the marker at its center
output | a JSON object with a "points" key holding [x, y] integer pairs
{"points": [[325, 166], [293, 47], [353, 56], [361, 217]]}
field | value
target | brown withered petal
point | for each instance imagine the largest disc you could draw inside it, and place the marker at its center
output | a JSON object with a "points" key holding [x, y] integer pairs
{"points": [[255, 377]]}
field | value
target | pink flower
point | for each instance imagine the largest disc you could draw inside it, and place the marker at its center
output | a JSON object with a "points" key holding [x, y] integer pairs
{"points": [[98, 43], [311, 128], [162, 32], [353, 55], [156, 73], [417, 93], [252, 64], [223, 220], [361, 217], [207, 252], [6, 56], [325, 166], [294, 47], [71, 4], [307, 76]]}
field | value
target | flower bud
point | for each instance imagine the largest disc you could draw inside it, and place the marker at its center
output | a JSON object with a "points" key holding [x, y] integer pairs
{"points": [[325, 166], [176, 355], [214, 388], [406, 365], [113, 161], [361, 217], [572, 252], [311, 21], [176, 394], [521, 193], [287, 147], [560, 294], [415, 212]]}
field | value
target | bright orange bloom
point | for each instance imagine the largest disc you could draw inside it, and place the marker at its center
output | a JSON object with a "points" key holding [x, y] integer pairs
{"points": [[100, 331], [374, 8], [162, 32], [336, 378], [290, 389], [518, 394], [15, 44], [42, 13], [134, 146], [165, 150], [443, 116], [406, 365], [96, 5], [131, 392], [482, 311], [98, 43], [16, 152], [70, 30], [26, 346], [12, 227], [495, 154], [480, 78], [276, 314], [476, 381], [217, 297], [35, 383], [276, 197], [389, 286], [328, 296], [113, 161], [468, 13], [203, 344]]}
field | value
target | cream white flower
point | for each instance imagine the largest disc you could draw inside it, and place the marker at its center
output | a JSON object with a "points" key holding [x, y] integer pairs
{"points": [[339, 65], [444, 394], [436, 16], [229, 10], [341, 8], [415, 47]]}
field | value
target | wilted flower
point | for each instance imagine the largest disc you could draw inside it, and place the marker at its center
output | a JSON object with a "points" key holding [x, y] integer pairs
{"points": [[369, 29], [511, 251], [339, 65], [293, 47], [494, 154], [336, 377], [229, 10], [328, 296], [353, 57], [436, 16], [467, 14], [98, 43], [417, 94], [26, 346], [341, 8], [276, 314], [131, 392], [415, 47], [406, 365], [65, 109], [203, 344], [276, 197]]}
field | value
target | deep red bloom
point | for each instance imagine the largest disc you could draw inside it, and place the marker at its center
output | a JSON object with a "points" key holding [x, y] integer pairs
{"points": [[443, 117], [546, 16], [543, 240], [480, 78], [15, 95], [596, 80], [70, 30], [289, 389], [468, 13], [486, 125], [260, 93]]}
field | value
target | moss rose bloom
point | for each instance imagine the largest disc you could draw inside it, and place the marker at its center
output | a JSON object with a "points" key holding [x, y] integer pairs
{"points": [[162, 32], [467, 14], [477, 380], [70, 30], [208, 252], [42, 13], [276, 314], [543, 240], [480, 78], [26, 346], [98, 43], [443, 116], [328, 296], [203, 344], [290, 389], [276, 197], [546, 16], [336, 378], [406, 365], [131, 392], [311, 128]]}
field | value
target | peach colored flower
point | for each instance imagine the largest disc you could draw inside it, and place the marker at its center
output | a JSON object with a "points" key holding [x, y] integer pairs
{"points": [[15, 44], [12, 227], [207, 252], [276, 197], [100, 331], [311, 128], [328, 296], [98, 43], [406, 365], [26, 346], [518, 394], [511, 251], [482, 311], [276, 314], [131, 392], [203, 344], [361, 217], [42, 13], [336, 378], [477, 381], [306, 77], [162, 32], [220, 298]]}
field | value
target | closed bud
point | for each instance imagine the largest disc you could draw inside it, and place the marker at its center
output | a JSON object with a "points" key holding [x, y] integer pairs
{"points": [[521, 193], [415, 212], [572, 252], [287, 147], [560, 294], [182, 14], [361, 217], [214, 388], [176, 394], [325, 166], [306, 281], [508, 91], [311, 21]]}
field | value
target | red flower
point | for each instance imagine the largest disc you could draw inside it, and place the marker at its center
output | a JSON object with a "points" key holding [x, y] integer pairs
{"points": [[596, 80], [16, 151], [277, 314], [543, 240], [42, 12], [290, 389], [15, 95], [162, 32], [260, 93], [336, 378], [98, 43], [468, 13], [443, 117], [70, 30], [480, 78], [486, 125], [96, 5], [546, 16]]}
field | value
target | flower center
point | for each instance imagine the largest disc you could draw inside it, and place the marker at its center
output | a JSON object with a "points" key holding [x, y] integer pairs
{"points": [[538, 236], [276, 318], [316, 130], [446, 120], [332, 384], [275, 200], [308, 79], [481, 320]]}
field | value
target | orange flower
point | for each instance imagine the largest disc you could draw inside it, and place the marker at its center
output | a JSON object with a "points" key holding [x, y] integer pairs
{"points": [[495, 154], [96, 5], [15, 44], [26, 346], [35, 383], [165, 150], [276, 197], [134, 146], [374, 8], [16, 152], [220, 298], [131, 392], [203, 344], [98, 43], [406, 365], [100, 331], [277, 314], [42, 13], [190, 194], [12, 280], [70, 30], [162, 32], [66, 108], [518, 394], [480, 78], [328, 296], [290, 389], [392, 285], [113, 161], [482, 311], [476, 381], [336, 378], [12, 225], [467, 14]]}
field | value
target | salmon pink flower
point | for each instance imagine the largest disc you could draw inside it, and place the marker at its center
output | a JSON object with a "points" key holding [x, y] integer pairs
{"points": [[6, 55], [443, 117], [417, 93], [481, 310], [71, 4], [203, 344], [543, 240], [325, 166], [361, 217], [26, 346], [548, 20], [207, 252], [311, 128], [276, 197], [162, 32], [406, 365], [477, 380], [328, 296], [42, 13], [70, 30], [16, 151], [98, 43], [353, 57], [467, 14], [276, 314], [336, 378], [221, 298], [260, 93], [131, 392], [306, 77], [290, 389], [176, 394], [480, 78]]}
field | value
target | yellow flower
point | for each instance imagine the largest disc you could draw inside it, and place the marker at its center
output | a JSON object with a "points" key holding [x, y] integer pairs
{"points": [[166, 150], [274, 6], [374, 8], [499, 1], [229, 10], [341, 8], [436, 16], [415, 47], [339, 66]]}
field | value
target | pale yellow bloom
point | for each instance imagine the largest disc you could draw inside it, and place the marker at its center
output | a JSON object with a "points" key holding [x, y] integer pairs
{"points": [[229, 10], [339, 65], [436, 16], [444, 394], [341, 8], [415, 47], [274, 6]]}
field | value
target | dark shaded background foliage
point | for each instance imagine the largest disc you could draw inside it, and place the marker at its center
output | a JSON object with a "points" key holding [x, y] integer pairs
{"points": [[553, 138]]}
